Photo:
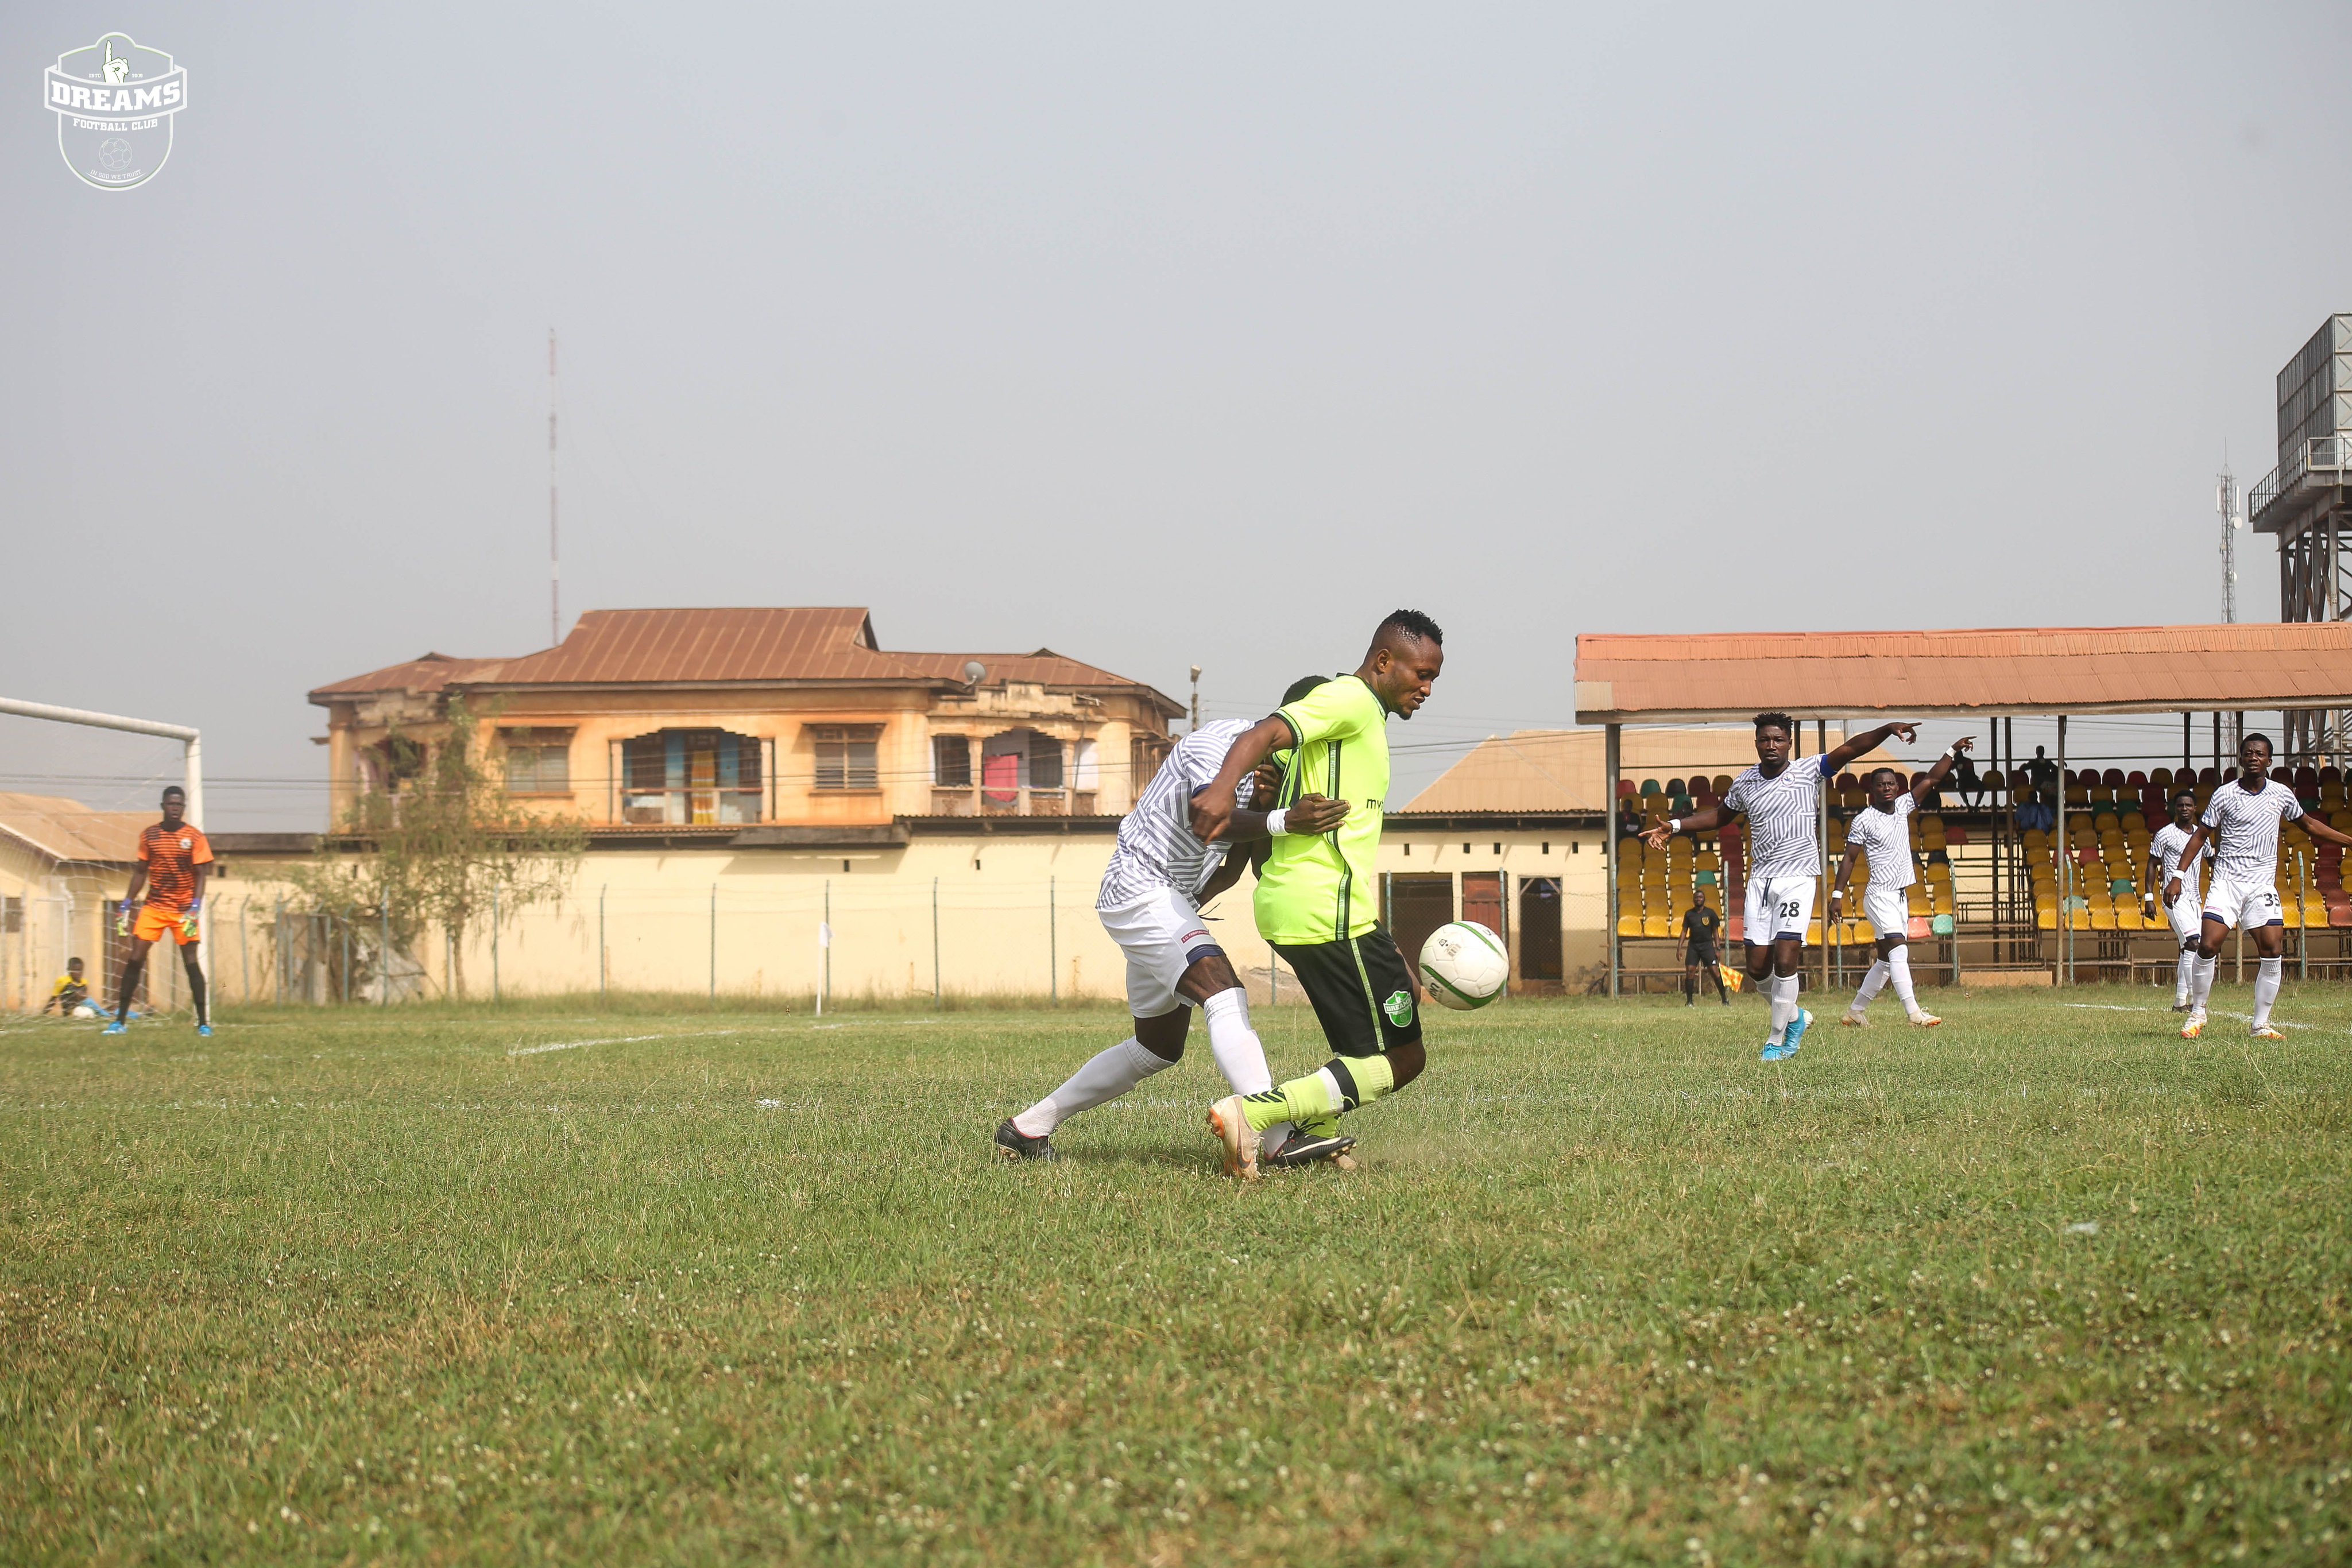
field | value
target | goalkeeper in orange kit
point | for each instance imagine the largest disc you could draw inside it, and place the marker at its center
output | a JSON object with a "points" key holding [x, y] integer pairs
{"points": [[173, 860]]}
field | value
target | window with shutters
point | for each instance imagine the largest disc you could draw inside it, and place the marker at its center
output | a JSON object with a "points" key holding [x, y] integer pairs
{"points": [[846, 756], [951, 762], [538, 762]]}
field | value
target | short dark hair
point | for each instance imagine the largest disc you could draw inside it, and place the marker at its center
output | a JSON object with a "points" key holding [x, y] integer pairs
{"points": [[172, 790], [1883, 768], [2258, 735], [1779, 720], [1413, 623], [1301, 687], [2178, 795]]}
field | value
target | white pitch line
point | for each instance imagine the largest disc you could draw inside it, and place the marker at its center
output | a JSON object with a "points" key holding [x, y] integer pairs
{"points": [[617, 1039]]}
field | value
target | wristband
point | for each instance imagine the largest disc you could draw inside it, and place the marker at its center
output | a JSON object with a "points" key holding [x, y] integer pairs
{"points": [[1673, 825], [1952, 751], [1277, 821]]}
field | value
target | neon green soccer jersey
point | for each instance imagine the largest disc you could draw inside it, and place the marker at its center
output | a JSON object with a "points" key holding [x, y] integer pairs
{"points": [[1325, 889]]}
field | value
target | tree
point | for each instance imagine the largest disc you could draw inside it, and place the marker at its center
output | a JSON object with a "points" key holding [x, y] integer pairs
{"points": [[442, 846]]}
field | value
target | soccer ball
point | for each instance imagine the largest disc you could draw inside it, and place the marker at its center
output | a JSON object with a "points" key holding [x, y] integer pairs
{"points": [[1465, 965], [114, 153]]}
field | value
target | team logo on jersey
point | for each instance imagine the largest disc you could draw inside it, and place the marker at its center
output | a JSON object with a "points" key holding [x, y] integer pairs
{"points": [[1399, 1007], [115, 102], [188, 844]]}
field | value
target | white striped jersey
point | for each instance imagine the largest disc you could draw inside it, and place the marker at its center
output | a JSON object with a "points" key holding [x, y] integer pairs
{"points": [[2166, 846], [1783, 818], [2245, 830], [1885, 838], [1156, 845]]}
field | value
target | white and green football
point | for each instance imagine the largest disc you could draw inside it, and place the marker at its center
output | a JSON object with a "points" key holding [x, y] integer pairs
{"points": [[1465, 965]]}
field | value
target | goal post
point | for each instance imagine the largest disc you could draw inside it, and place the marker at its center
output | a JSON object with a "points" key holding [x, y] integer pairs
{"points": [[192, 742]]}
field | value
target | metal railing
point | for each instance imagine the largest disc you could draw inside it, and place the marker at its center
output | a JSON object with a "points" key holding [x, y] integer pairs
{"points": [[2327, 454]]}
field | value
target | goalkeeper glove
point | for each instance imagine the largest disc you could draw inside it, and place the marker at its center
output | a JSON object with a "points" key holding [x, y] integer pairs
{"points": [[122, 918], [188, 920]]}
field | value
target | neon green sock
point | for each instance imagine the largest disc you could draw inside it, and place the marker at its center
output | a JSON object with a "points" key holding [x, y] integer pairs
{"points": [[1304, 1099], [1344, 1084]]}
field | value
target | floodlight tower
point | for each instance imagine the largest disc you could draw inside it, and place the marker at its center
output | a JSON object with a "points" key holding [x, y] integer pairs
{"points": [[2307, 501]]}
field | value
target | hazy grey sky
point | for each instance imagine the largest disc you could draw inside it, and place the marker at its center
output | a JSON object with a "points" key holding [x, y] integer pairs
{"points": [[1197, 334]]}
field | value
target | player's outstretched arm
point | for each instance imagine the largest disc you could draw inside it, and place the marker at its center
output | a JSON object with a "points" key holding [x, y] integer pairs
{"points": [[2313, 824], [1706, 821], [1212, 808], [1935, 776], [1868, 741], [2189, 853]]}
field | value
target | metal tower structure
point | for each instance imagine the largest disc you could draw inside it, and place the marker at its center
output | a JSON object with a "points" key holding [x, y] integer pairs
{"points": [[2307, 502]]}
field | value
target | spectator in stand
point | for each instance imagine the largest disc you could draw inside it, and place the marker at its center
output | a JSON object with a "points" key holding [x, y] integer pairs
{"points": [[2042, 773], [2036, 811], [1964, 781]]}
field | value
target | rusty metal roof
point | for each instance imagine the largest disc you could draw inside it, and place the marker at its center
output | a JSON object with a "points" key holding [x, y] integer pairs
{"points": [[699, 647], [2027, 670], [65, 830]]}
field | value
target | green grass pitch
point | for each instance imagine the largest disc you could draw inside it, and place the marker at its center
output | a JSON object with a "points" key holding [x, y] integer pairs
{"points": [[2045, 1285]]}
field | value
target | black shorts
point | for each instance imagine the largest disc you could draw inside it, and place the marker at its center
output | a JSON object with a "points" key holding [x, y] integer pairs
{"points": [[1363, 995], [1700, 956]]}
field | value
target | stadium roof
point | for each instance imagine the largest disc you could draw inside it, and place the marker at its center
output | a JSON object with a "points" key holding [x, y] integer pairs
{"points": [[65, 830], [728, 647], [1565, 770], [1722, 676]]}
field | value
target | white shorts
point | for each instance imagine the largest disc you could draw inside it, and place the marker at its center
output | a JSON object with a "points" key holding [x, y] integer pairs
{"points": [[2187, 914], [1777, 906], [1162, 934], [2248, 906], [1889, 910]]}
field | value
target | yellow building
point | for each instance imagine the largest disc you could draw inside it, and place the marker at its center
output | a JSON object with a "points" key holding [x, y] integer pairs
{"points": [[691, 723]]}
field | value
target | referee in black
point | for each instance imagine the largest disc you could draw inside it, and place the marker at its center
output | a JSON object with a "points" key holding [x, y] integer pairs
{"points": [[1699, 926]]}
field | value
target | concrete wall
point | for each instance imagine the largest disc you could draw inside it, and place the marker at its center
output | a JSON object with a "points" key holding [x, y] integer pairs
{"points": [[976, 914]]}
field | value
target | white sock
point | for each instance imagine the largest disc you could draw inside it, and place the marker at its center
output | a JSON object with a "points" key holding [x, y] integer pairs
{"points": [[2184, 971], [1105, 1078], [2266, 989], [2200, 984], [1782, 989], [1898, 969], [1869, 985], [1240, 1055]]}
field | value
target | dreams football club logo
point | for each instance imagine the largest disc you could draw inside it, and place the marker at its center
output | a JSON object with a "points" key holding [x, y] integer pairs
{"points": [[115, 101]]}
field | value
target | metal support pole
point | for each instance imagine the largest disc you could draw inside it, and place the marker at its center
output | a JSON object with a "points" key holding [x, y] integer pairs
{"points": [[349, 914], [714, 941], [278, 947], [1822, 799], [383, 953], [825, 979], [603, 960], [1052, 949], [244, 957], [2301, 936], [1610, 742], [2187, 763], [494, 946], [935, 941], [2065, 932]]}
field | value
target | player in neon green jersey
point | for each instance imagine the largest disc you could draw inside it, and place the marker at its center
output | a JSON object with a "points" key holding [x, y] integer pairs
{"points": [[1319, 898]]}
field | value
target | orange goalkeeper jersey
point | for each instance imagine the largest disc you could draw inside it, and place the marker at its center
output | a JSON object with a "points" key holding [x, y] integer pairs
{"points": [[172, 858]]}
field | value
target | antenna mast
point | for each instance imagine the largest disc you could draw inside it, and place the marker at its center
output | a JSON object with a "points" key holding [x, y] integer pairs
{"points": [[556, 567], [2225, 501]]}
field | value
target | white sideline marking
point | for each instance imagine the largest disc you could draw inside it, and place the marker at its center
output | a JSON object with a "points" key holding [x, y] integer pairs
{"points": [[2242, 1018], [2104, 1008], [617, 1039]]}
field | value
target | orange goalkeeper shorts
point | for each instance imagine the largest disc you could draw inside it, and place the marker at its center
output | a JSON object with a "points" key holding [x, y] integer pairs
{"points": [[154, 920]]}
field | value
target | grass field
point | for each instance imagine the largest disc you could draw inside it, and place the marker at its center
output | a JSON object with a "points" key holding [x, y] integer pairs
{"points": [[2043, 1286]]}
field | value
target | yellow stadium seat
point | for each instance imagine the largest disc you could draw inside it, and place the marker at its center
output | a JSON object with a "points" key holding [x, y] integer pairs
{"points": [[2045, 919], [1629, 925], [1812, 934], [1656, 925], [2129, 918]]}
